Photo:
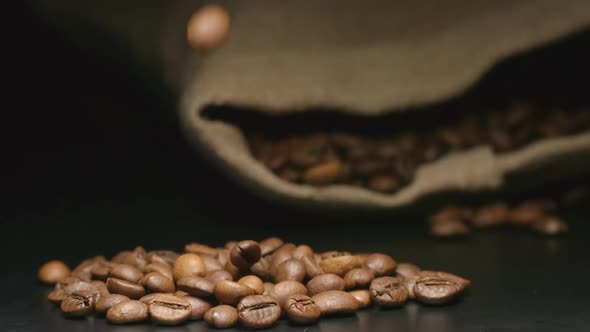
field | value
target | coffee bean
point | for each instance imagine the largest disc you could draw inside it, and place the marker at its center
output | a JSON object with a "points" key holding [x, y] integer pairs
{"points": [[267, 287], [126, 272], [245, 254], [188, 265], [53, 271], [211, 264], [358, 278], [323, 173], [525, 214], [381, 264], [196, 286], [335, 302], [76, 286], [325, 282], [79, 303], [102, 287], [409, 283], [438, 287], [407, 270], [56, 296], [161, 268], [200, 249], [388, 292], [198, 306], [550, 226], [167, 309], [281, 291], [262, 268], [129, 289], [218, 275], [312, 268], [158, 283], [302, 251], [230, 292], [208, 27], [341, 264], [491, 215], [101, 271], [291, 269], [107, 301], [128, 311], [362, 296], [222, 316], [301, 309], [147, 299], [269, 245], [162, 256], [258, 311], [253, 282]]}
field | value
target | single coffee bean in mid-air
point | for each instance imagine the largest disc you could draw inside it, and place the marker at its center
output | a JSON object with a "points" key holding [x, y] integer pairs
{"points": [[222, 316], [388, 292], [258, 311], [53, 271], [168, 309], [245, 254], [301, 309], [127, 312]]}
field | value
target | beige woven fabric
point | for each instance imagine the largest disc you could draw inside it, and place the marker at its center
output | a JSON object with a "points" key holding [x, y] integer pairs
{"points": [[370, 57]]}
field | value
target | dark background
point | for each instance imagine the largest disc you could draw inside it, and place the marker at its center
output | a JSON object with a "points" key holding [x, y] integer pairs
{"points": [[93, 162]]}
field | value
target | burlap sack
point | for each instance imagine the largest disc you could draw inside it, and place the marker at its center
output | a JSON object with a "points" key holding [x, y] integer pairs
{"points": [[369, 57]]}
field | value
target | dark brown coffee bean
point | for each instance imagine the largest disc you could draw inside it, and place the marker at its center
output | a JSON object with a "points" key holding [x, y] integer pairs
{"points": [[245, 254], [291, 269], [200, 249], [437, 288], [222, 317], [388, 292], [281, 291], [407, 270], [323, 173], [302, 310], [198, 306], [230, 292], [196, 286], [550, 226], [218, 275], [188, 265], [79, 303], [491, 215], [126, 312], [446, 275], [335, 302], [341, 264], [362, 296], [258, 311], [126, 272], [358, 278], [381, 264], [253, 282], [324, 282], [167, 309], [312, 268], [53, 271], [163, 269], [129, 289], [107, 301], [269, 245], [158, 283]]}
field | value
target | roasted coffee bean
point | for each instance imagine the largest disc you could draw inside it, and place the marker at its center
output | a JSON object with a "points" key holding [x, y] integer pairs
{"points": [[302, 310], [381, 264], [281, 291], [196, 286], [188, 265], [211, 264], [56, 296], [129, 289], [445, 275], [84, 270], [253, 282], [312, 268], [323, 173], [126, 272], [107, 301], [407, 270], [550, 226], [200, 249], [230, 292], [388, 292], [167, 309], [335, 302], [341, 264], [525, 214], [282, 254], [158, 283], [258, 311], [79, 303], [80, 286], [262, 268], [222, 316], [409, 283], [233, 270], [102, 287], [147, 299], [491, 215], [362, 296], [101, 271], [333, 253], [267, 287], [126, 312], [437, 288], [269, 245], [162, 256], [53, 271], [198, 306], [358, 278], [161, 268], [245, 254], [324, 282], [302, 251], [291, 269], [218, 275]]}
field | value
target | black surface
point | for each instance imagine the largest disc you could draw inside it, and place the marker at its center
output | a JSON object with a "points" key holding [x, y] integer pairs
{"points": [[93, 163]]}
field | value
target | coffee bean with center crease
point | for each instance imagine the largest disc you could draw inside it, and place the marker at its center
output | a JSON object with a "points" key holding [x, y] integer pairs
{"points": [[258, 311], [107, 301], [358, 278], [53, 271], [79, 303], [291, 269], [157, 282], [438, 287], [245, 254], [302, 310], [188, 265], [222, 316], [363, 297], [197, 286], [335, 302], [324, 282], [381, 264], [388, 292], [230, 292], [167, 309], [129, 289], [127, 312]]}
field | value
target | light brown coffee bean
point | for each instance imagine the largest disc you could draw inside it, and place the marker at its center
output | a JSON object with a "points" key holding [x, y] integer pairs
{"points": [[167, 309], [218, 275], [230, 292], [341, 264], [312, 268], [407, 270], [302, 251], [437, 288], [335, 302], [158, 283], [363, 296], [253, 282], [126, 272], [211, 264], [53, 271], [381, 264], [161, 268], [358, 278], [107, 301], [291, 269], [267, 287], [325, 282], [188, 265], [262, 268], [198, 306], [102, 287], [208, 27], [222, 317], [128, 311]]}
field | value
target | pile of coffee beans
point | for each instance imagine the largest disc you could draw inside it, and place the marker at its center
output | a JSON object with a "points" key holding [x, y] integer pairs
{"points": [[386, 163], [250, 283], [452, 221]]}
